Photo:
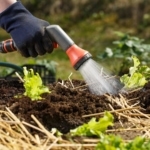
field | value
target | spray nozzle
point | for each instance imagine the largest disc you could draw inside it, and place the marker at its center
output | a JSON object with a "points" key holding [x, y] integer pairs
{"points": [[77, 56]]}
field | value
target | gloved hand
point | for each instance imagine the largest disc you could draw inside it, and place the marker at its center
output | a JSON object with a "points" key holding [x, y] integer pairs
{"points": [[26, 30]]}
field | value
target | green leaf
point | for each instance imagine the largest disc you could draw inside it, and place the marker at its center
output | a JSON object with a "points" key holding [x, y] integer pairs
{"points": [[110, 142], [94, 127], [137, 77], [137, 144], [136, 64], [33, 85], [145, 70], [113, 142], [129, 43], [136, 80], [109, 52]]}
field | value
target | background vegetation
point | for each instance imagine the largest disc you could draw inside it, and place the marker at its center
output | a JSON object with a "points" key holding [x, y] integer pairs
{"points": [[91, 24]]}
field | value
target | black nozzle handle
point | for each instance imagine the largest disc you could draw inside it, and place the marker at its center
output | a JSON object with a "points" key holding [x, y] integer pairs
{"points": [[57, 34], [7, 46]]}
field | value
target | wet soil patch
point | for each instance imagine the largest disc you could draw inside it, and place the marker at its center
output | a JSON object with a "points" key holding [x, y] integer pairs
{"points": [[64, 107]]}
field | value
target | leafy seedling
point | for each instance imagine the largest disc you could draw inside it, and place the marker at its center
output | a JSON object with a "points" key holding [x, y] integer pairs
{"points": [[106, 141], [138, 75], [33, 85], [93, 127], [114, 142]]}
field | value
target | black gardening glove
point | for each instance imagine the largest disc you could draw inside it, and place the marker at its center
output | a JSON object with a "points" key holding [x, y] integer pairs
{"points": [[26, 30]]}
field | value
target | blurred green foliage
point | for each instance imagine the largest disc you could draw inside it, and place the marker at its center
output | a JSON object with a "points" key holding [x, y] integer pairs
{"points": [[126, 47]]}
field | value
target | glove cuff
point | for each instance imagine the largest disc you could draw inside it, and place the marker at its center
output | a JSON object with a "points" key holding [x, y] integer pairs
{"points": [[12, 15]]}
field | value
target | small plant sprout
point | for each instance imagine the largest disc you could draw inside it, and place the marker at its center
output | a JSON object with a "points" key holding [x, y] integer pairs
{"points": [[93, 127], [33, 85], [138, 75]]}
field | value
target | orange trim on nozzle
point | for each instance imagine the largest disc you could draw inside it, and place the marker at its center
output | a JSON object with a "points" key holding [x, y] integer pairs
{"points": [[75, 54], [55, 45]]}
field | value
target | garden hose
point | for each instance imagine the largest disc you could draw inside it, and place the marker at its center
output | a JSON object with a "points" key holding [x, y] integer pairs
{"points": [[13, 66]]}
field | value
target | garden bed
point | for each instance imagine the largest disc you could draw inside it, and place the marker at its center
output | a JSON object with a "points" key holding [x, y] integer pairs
{"points": [[69, 105]]}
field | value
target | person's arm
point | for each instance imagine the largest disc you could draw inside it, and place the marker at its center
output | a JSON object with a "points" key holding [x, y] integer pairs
{"points": [[26, 30], [4, 4]]}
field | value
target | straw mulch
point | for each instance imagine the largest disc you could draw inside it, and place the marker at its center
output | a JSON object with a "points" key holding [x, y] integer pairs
{"points": [[14, 134]]}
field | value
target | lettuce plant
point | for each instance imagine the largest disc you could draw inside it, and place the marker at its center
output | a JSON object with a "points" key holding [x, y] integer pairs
{"points": [[94, 127], [138, 75], [33, 85]]}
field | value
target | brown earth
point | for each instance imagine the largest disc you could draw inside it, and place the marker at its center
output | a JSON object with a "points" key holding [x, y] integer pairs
{"points": [[64, 107]]}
